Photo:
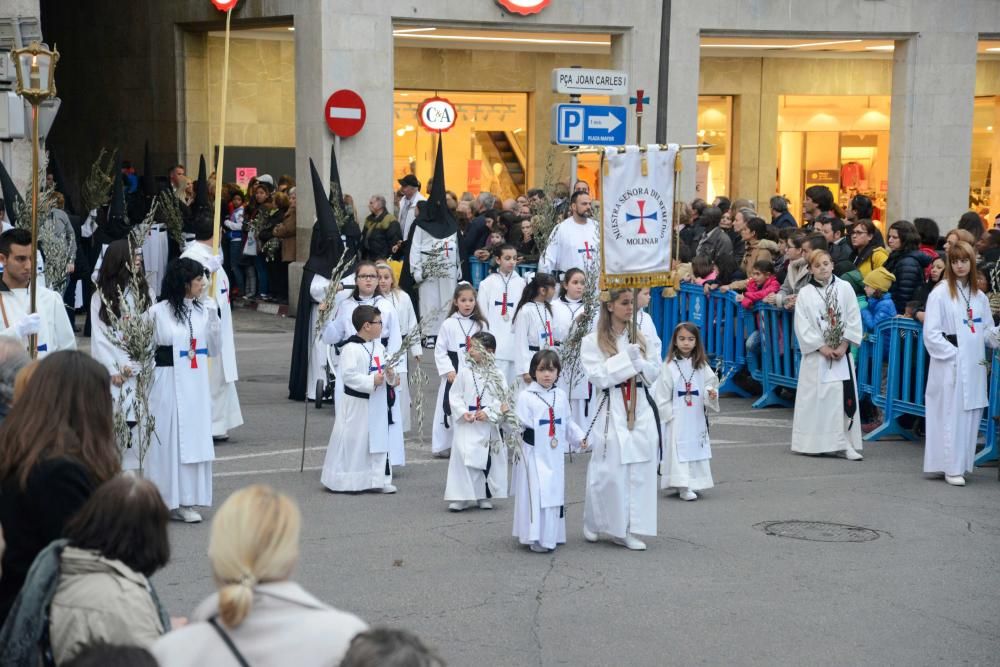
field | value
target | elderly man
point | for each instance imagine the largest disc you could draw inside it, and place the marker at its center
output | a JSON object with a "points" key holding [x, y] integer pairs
{"points": [[382, 235], [409, 186], [13, 357]]}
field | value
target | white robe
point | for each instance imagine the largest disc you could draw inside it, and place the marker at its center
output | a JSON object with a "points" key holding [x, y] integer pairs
{"points": [[539, 480], [56, 331], [572, 246], [819, 424], [956, 382], [621, 476], [180, 459], [471, 451], [687, 451], [407, 322], [113, 358], [340, 328], [535, 328], [648, 330], [316, 368], [499, 294], [434, 293], [226, 413], [574, 380], [357, 454], [450, 340]]}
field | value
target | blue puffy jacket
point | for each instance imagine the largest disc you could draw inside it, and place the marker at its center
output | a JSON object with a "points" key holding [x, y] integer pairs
{"points": [[877, 310]]}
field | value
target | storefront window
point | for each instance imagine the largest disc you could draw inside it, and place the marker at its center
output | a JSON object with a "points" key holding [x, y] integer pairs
{"points": [[485, 151], [841, 142], [715, 117], [985, 153]]}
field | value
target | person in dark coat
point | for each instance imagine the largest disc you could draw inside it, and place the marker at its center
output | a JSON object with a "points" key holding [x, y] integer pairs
{"points": [[906, 262], [781, 217], [382, 237]]}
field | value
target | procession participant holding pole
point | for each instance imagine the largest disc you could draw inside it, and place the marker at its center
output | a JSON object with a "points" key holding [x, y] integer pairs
{"points": [[635, 238]]}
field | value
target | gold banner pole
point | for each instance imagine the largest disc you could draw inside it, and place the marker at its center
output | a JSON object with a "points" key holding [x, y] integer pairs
{"points": [[222, 151]]}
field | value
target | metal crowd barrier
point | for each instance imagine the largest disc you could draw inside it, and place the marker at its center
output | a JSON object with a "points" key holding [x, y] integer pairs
{"points": [[891, 362]]}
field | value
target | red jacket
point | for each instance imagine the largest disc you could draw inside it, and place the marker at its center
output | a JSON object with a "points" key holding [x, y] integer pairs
{"points": [[755, 294]]}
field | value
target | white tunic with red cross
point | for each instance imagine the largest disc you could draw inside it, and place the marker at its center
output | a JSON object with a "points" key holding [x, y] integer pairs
{"points": [[573, 245]]}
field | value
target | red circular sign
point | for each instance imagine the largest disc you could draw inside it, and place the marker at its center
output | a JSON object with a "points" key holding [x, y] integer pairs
{"points": [[437, 114], [225, 5], [524, 7], [345, 113]]}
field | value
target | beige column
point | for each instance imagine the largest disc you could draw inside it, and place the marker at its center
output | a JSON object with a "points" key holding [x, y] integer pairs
{"points": [[933, 87]]}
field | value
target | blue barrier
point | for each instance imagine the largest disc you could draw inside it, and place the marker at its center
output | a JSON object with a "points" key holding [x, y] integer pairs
{"points": [[989, 452], [729, 324], [898, 342], [780, 355]]}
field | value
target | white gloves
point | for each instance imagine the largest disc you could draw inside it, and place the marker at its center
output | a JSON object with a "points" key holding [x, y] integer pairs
{"points": [[28, 325], [213, 263], [634, 353]]}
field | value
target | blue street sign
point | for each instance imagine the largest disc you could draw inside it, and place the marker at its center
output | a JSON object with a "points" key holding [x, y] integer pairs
{"points": [[589, 125]]}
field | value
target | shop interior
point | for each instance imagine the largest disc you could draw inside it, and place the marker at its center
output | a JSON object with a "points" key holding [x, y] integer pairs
{"points": [[985, 153]]}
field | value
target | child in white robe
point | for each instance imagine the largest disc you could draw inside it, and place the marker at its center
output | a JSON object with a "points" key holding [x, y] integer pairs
{"points": [[407, 318], [621, 476], [187, 331], [450, 347], [569, 309], [957, 329], [357, 456], [539, 484], [686, 386], [498, 296], [821, 423], [476, 473], [535, 326]]}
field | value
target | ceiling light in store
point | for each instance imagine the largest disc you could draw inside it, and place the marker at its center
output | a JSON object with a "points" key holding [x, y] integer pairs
{"points": [[994, 49], [519, 130], [883, 47], [407, 31], [400, 132], [292, 28], [989, 128], [804, 45], [506, 40]]}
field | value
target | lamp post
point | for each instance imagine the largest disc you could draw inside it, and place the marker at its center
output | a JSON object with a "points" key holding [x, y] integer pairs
{"points": [[35, 66]]}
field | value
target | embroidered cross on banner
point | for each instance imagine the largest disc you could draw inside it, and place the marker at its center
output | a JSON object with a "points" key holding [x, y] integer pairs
{"points": [[193, 352], [586, 250]]}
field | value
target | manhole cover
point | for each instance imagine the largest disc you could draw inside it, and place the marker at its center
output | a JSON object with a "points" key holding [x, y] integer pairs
{"points": [[818, 531]]}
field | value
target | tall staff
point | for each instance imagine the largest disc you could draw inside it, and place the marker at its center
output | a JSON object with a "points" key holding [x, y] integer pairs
{"points": [[225, 6]]}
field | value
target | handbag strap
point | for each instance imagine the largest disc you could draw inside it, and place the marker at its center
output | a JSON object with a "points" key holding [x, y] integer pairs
{"points": [[229, 642]]}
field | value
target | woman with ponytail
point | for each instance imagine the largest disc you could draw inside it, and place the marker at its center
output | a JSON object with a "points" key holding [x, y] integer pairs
{"points": [[258, 617]]}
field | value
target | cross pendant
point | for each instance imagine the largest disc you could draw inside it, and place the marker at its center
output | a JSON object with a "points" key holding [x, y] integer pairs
{"points": [[193, 352]]}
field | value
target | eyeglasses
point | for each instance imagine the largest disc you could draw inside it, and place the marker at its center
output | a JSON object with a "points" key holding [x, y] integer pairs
{"points": [[859, 232], [378, 322], [368, 276]]}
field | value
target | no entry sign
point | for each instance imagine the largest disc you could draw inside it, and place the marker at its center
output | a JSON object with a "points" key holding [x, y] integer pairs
{"points": [[345, 113], [523, 7]]}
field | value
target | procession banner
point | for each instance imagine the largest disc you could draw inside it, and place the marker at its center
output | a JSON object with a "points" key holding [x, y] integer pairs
{"points": [[636, 226]]}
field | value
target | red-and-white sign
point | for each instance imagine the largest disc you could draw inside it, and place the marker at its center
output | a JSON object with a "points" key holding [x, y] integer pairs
{"points": [[345, 113], [524, 7], [437, 114], [225, 5]]}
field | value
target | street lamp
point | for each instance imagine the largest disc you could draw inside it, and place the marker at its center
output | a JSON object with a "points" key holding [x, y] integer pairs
{"points": [[35, 66]]}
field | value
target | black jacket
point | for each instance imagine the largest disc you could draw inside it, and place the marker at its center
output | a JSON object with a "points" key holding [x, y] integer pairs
{"points": [[34, 516], [379, 236], [908, 267], [784, 220]]}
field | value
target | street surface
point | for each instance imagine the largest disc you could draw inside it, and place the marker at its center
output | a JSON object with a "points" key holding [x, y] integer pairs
{"points": [[714, 588]]}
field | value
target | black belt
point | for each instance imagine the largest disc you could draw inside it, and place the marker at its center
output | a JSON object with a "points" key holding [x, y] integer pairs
{"points": [[385, 342], [652, 406], [528, 435], [536, 348], [951, 338], [164, 355], [453, 356], [355, 393]]}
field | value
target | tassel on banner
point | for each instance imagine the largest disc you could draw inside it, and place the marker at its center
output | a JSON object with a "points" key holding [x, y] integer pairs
{"points": [[643, 166], [606, 165], [638, 280]]}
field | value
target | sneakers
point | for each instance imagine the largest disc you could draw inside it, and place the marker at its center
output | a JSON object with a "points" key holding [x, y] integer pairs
{"points": [[485, 504], [852, 454], [688, 494], [538, 548], [220, 438], [185, 514], [955, 480], [588, 535], [389, 488], [457, 506], [630, 542]]}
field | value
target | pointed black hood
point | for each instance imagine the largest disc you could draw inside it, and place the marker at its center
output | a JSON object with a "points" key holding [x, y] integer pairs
{"points": [[349, 226], [201, 202], [326, 246], [435, 217], [116, 205], [11, 197], [334, 173], [148, 183]]}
